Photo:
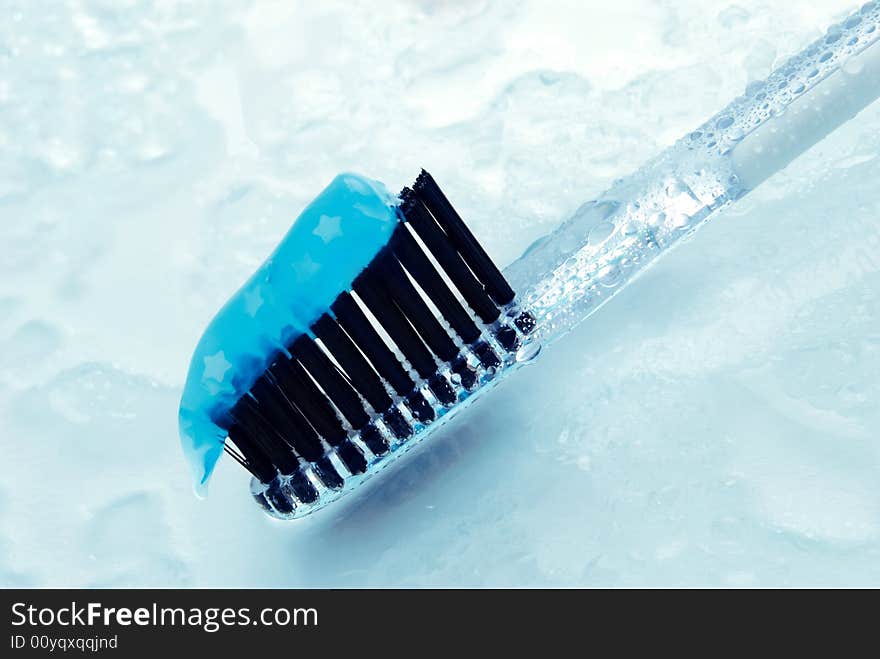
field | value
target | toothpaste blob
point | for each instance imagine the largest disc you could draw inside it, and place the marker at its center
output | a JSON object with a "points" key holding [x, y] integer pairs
{"points": [[329, 244]]}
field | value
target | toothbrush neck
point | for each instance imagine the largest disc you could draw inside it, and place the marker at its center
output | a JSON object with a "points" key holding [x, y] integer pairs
{"points": [[567, 275]]}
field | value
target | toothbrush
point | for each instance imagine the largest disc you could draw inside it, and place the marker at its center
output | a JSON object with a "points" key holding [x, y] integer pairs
{"points": [[378, 317]]}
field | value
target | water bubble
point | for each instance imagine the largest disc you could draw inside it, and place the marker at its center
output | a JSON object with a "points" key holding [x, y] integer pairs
{"points": [[679, 221], [600, 233], [609, 276], [853, 66], [631, 228], [528, 351], [656, 219], [754, 87], [724, 122], [673, 189]]}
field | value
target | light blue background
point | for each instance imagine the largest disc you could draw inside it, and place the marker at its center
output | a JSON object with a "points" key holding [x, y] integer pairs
{"points": [[715, 425]]}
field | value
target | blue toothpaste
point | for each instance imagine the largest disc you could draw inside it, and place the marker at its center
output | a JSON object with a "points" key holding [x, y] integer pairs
{"points": [[331, 241]]}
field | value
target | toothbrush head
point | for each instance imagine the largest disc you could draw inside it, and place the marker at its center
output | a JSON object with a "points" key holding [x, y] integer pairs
{"points": [[376, 318]]}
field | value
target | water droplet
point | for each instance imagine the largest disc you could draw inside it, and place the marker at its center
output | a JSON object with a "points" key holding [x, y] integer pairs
{"points": [[528, 351], [609, 276], [679, 221], [853, 66], [754, 87], [600, 233], [631, 228]]}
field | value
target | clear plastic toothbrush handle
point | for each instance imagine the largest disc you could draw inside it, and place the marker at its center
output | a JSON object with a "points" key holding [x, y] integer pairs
{"points": [[567, 275]]}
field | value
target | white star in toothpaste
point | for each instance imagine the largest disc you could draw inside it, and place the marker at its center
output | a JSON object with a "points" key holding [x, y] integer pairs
{"points": [[328, 228], [253, 301], [216, 366], [305, 267]]}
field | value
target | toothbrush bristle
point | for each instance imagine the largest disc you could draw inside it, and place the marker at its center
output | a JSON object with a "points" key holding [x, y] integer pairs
{"points": [[461, 237], [393, 353]]}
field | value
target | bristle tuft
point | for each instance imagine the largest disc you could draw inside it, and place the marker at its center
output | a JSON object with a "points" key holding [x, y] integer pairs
{"points": [[407, 199]]}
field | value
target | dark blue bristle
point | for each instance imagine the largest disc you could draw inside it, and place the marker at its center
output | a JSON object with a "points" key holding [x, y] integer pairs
{"points": [[358, 370], [420, 407], [374, 440], [417, 312], [337, 387], [277, 498], [303, 488], [328, 474], [461, 237], [442, 389], [371, 289], [251, 429], [396, 423], [360, 329], [438, 243], [507, 337], [352, 457], [407, 250], [299, 388], [255, 458], [486, 355], [467, 375]]}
